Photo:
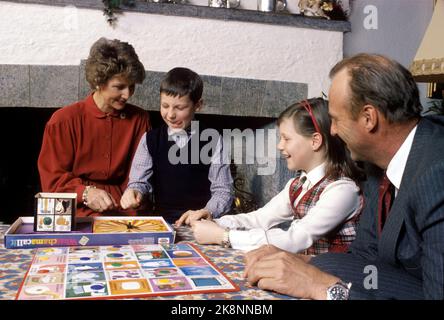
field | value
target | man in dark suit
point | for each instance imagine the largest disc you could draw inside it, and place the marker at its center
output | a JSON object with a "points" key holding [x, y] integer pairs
{"points": [[399, 250]]}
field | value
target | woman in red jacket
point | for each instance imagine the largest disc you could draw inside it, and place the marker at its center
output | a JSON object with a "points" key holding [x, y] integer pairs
{"points": [[88, 146]]}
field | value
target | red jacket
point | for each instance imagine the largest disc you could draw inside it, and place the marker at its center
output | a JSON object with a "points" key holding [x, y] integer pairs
{"points": [[84, 146]]}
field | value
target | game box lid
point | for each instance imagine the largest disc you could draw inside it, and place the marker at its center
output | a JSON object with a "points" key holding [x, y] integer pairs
{"points": [[55, 212], [92, 231]]}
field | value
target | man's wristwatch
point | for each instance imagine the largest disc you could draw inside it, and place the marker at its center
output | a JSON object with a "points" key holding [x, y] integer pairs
{"points": [[339, 291], [226, 239]]}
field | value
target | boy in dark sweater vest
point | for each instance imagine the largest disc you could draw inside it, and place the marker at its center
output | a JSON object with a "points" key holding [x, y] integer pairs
{"points": [[168, 163]]}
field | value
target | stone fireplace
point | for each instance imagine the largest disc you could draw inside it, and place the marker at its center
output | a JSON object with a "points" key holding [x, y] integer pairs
{"points": [[253, 65], [245, 105]]}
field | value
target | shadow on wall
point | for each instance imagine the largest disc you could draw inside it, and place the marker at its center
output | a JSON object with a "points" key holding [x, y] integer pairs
{"points": [[21, 132]]}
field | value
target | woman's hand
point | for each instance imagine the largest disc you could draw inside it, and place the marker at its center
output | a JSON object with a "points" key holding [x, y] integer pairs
{"points": [[193, 215], [99, 200], [131, 198], [207, 232]]}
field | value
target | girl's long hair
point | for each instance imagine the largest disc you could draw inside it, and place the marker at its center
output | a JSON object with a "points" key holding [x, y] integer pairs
{"points": [[338, 158]]}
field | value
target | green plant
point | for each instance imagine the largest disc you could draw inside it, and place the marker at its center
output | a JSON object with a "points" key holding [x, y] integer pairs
{"points": [[112, 7]]}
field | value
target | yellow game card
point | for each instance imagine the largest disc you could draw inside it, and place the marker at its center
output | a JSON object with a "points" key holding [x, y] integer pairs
{"points": [[131, 286]]}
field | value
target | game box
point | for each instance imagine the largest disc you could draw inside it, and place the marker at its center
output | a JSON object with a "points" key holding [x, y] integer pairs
{"points": [[92, 231]]}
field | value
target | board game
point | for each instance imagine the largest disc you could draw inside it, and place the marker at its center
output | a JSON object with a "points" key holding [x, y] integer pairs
{"points": [[110, 225], [92, 231], [105, 272]]}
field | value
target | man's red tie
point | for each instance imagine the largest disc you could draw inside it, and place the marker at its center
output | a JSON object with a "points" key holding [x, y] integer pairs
{"points": [[385, 200]]}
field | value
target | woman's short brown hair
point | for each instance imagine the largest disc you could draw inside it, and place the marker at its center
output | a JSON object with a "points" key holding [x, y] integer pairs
{"points": [[108, 58]]}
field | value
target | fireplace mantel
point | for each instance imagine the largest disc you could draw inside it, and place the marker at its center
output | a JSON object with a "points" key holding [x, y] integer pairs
{"points": [[253, 63], [197, 11]]}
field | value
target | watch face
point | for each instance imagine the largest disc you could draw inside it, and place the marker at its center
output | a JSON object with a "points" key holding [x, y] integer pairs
{"points": [[338, 292]]}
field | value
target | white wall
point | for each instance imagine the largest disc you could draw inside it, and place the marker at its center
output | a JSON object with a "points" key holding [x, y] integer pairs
{"points": [[396, 30], [46, 35]]}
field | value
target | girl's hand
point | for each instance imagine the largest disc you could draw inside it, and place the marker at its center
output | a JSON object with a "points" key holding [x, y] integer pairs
{"points": [[207, 232], [193, 215]]}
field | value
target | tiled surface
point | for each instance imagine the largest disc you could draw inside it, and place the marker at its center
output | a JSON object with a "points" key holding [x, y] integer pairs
{"points": [[84, 88], [146, 95], [279, 95], [53, 86], [14, 85], [57, 86], [212, 95]]}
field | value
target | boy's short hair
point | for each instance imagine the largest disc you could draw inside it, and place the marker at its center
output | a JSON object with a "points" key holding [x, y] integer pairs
{"points": [[181, 82]]}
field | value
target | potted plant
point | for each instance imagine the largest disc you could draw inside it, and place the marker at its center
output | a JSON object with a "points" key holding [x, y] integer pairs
{"points": [[112, 7]]}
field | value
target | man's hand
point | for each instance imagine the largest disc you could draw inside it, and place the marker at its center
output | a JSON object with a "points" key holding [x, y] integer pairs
{"points": [[99, 200], [207, 232], [193, 215], [254, 255], [131, 198], [287, 273]]}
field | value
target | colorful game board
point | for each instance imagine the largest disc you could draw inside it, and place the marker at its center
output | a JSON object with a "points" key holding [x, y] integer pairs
{"points": [[121, 271]]}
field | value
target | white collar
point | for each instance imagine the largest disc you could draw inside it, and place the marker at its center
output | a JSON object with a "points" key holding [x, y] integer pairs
{"points": [[314, 175], [180, 132], [396, 166]]}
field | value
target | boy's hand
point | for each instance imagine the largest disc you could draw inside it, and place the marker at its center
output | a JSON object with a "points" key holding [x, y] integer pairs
{"points": [[131, 198], [193, 215], [207, 232]]}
